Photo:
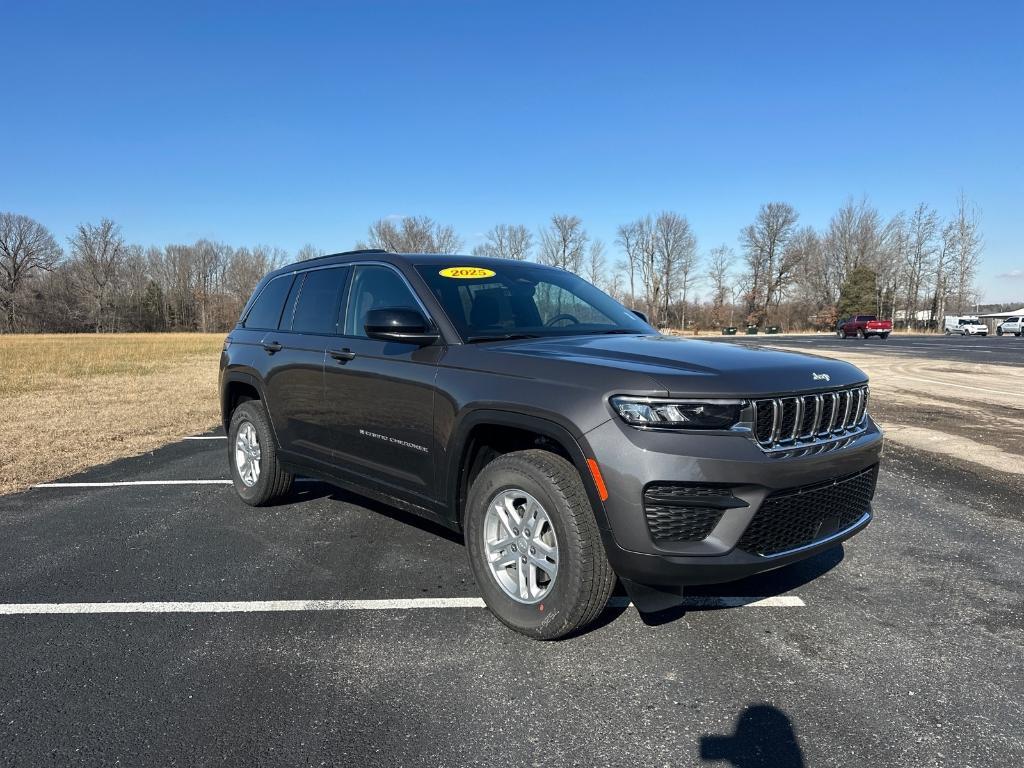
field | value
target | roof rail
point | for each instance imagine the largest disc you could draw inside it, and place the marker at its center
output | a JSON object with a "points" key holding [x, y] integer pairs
{"points": [[362, 250], [345, 253]]}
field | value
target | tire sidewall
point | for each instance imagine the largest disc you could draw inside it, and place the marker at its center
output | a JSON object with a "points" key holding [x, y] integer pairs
{"points": [[546, 618], [253, 412]]}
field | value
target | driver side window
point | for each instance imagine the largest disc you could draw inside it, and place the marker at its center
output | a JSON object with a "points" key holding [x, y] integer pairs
{"points": [[374, 287]]}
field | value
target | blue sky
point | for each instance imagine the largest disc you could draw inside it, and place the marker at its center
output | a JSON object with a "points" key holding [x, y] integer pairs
{"points": [[290, 123]]}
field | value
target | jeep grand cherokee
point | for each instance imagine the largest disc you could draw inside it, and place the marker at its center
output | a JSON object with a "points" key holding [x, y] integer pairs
{"points": [[569, 441]]}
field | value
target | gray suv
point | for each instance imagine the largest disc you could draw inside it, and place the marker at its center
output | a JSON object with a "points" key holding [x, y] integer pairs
{"points": [[568, 440]]}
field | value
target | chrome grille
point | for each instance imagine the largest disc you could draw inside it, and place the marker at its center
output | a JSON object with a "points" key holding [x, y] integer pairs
{"points": [[809, 422]]}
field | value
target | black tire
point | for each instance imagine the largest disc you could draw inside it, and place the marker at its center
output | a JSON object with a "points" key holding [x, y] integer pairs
{"points": [[840, 334], [883, 336], [860, 333], [584, 580], [273, 482], [999, 331]]}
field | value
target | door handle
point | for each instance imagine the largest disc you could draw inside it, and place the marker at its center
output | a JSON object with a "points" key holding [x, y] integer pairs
{"points": [[342, 355], [273, 346]]}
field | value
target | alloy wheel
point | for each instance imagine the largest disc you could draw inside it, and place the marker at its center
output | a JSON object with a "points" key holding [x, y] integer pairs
{"points": [[247, 454], [520, 546]]}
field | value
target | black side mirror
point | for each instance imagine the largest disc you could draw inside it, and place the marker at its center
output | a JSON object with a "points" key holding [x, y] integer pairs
{"points": [[399, 324], [641, 315]]}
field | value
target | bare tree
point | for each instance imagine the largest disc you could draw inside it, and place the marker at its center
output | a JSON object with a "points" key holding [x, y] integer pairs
{"points": [[564, 243], [307, 252], [628, 239], [97, 251], [26, 247], [967, 245], [764, 244], [640, 244], [506, 241], [595, 263], [919, 257], [675, 254], [413, 234], [719, 266]]}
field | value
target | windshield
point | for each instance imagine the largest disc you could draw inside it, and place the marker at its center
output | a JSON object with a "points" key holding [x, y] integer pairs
{"points": [[524, 300]]}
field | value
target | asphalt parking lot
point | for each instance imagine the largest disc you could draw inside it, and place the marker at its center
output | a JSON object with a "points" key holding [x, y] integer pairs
{"points": [[905, 647], [996, 350]]}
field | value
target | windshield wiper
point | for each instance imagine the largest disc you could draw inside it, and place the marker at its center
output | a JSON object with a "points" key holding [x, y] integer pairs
{"points": [[501, 337]]}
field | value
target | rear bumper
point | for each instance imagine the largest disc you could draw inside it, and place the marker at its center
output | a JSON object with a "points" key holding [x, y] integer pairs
{"points": [[631, 459]]}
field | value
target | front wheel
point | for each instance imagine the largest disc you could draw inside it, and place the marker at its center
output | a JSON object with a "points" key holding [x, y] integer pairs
{"points": [[999, 331], [534, 545], [860, 333]]}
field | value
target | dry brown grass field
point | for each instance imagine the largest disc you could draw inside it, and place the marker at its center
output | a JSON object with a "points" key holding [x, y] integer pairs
{"points": [[68, 402]]}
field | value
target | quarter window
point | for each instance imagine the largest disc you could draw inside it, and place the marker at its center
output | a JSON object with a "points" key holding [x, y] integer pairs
{"points": [[265, 312]]}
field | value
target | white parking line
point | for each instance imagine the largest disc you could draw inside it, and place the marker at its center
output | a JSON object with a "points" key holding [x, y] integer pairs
{"points": [[264, 606], [132, 482], [122, 483], [207, 437]]}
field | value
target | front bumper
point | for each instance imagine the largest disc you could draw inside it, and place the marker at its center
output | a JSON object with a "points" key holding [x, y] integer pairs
{"points": [[631, 459]]}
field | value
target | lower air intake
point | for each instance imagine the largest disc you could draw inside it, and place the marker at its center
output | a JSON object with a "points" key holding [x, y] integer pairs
{"points": [[799, 517]]}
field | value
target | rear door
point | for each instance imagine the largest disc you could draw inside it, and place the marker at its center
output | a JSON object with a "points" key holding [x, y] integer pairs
{"points": [[295, 385], [380, 394]]}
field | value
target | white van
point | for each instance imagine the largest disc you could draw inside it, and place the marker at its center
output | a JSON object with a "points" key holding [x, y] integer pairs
{"points": [[965, 325]]}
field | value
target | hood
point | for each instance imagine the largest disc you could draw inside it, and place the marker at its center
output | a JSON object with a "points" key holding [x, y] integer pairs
{"points": [[686, 367]]}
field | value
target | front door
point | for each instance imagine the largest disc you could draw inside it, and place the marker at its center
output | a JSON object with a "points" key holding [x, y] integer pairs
{"points": [[380, 394]]}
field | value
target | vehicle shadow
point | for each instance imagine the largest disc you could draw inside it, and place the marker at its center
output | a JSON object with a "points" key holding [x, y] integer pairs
{"points": [[764, 738], [768, 584], [311, 490]]}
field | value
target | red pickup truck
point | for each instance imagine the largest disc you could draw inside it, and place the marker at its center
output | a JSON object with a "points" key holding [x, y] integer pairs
{"points": [[863, 326]]}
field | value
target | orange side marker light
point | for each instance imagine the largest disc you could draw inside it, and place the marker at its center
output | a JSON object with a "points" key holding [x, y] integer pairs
{"points": [[595, 472]]}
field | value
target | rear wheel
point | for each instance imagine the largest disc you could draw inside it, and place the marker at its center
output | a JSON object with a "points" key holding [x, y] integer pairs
{"points": [[534, 545], [840, 334], [255, 470], [999, 331], [883, 336]]}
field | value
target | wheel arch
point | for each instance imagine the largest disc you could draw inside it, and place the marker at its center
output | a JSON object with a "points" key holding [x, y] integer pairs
{"points": [[487, 429], [236, 388]]}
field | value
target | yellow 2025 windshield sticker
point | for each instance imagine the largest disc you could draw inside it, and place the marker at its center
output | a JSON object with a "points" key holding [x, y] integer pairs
{"points": [[466, 272]]}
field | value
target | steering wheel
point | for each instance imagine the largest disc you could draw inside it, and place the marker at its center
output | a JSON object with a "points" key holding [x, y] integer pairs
{"points": [[564, 316]]}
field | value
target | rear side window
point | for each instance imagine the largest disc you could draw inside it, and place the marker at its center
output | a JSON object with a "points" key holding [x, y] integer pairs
{"points": [[317, 308], [266, 310]]}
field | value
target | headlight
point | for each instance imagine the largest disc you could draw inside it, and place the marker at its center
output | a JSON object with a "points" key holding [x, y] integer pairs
{"points": [[678, 414]]}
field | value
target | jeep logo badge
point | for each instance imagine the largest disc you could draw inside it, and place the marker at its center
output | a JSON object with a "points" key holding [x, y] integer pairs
{"points": [[821, 377]]}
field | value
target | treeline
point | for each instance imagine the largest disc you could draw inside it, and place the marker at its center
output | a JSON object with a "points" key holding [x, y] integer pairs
{"points": [[914, 266]]}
